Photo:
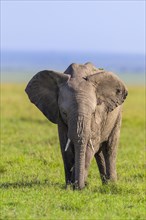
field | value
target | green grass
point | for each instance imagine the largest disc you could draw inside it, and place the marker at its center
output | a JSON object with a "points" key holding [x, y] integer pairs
{"points": [[31, 167]]}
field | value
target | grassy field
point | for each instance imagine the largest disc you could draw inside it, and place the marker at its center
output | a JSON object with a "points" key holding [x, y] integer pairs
{"points": [[31, 167]]}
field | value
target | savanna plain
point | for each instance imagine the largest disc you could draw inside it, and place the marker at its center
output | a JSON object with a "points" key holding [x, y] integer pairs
{"points": [[31, 168]]}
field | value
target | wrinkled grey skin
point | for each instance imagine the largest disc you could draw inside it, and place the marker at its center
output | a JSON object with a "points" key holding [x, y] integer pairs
{"points": [[86, 104]]}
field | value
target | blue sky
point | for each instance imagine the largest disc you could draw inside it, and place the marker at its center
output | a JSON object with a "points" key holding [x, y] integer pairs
{"points": [[95, 26]]}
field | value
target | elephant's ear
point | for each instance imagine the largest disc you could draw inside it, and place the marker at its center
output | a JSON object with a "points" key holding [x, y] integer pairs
{"points": [[109, 89], [42, 90]]}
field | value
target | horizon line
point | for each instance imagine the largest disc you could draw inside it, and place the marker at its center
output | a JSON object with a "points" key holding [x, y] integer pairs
{"points": [[70, 51]]}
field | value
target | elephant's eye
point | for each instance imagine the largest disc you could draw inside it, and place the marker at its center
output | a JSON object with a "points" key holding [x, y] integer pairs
{"points": [[118, 91], [85, 78]]}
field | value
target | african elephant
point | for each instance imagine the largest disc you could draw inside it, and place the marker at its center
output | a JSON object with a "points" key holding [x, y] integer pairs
{"points": [[85, 103]]}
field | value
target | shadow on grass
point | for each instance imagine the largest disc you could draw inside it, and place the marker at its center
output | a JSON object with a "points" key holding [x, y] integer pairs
{"points": [[116, 189], [30, 184], [104, 190]]}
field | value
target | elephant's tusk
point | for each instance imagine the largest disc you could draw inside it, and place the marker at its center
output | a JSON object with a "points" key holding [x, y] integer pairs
{"points": [[67, 144], [91, 145]]}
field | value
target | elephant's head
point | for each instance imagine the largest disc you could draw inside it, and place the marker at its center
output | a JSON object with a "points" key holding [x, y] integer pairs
{"points": [[74, 96]]}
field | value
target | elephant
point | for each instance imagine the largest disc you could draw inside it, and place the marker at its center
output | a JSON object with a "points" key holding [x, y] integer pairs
{"points": [[86, 104]]}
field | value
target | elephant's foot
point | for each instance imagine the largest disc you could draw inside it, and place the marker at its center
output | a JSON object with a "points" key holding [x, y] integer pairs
{"points": [[104, 179], [112, 177], [70, 178], [108, 179], [69, 185], [76, 186]]}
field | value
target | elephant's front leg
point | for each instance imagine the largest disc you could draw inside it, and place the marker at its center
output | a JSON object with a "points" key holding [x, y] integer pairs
{"points": [[68, 156], [100, 160]]}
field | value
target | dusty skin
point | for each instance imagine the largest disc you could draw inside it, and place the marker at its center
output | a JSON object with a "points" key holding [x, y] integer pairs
{"points": [[85, 103]]}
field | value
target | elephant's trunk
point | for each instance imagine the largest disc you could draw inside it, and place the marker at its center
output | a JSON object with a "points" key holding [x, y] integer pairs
{"points": [[80, 136], [80, 166]]}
